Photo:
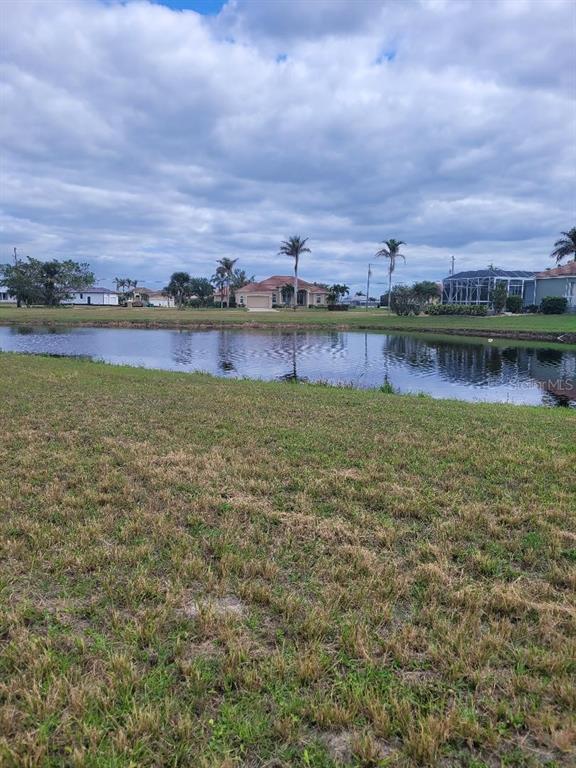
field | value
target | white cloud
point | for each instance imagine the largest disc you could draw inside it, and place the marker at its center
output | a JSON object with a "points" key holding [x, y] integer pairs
{"points": [[145, 140]]}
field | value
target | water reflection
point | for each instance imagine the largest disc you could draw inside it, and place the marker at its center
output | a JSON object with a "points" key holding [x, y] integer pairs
{"points": [[464, 369]]}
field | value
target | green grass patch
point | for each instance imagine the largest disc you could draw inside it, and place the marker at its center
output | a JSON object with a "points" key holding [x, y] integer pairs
{"points": [[198, 572]]}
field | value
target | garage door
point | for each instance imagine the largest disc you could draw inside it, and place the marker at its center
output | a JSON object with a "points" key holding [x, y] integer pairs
{"points": [[258, 301]]}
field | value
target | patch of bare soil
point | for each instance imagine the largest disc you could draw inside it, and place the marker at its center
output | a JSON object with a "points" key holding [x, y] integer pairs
{"points": [[221, 606]]}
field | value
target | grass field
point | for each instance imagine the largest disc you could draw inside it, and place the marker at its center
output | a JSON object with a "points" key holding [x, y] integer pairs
{"points": [[198, 572], [520, 326]]}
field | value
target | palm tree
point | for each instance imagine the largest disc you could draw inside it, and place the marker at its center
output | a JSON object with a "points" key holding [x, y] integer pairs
{"points": [[120, 285], [218, 280], [224, 273], [129, 287], [238, 279], [566, 246], [286, 292], [179, 288], [391, 251], [336, 292], [294, 247]]}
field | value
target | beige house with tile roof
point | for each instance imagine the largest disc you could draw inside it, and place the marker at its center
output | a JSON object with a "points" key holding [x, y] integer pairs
{"points": [[274, 291]]}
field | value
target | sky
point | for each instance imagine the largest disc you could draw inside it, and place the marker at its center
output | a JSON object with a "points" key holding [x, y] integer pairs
{"points": [[150, 137]]}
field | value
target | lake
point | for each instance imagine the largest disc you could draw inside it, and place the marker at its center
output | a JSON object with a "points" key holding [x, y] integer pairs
{"points": [[465, 369]]}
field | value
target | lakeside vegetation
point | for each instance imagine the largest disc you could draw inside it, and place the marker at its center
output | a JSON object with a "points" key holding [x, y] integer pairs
{"points": [[224, 573], [547, 327]]}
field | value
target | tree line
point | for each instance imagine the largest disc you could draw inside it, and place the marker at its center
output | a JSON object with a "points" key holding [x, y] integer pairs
{"points": [[32, 281]]}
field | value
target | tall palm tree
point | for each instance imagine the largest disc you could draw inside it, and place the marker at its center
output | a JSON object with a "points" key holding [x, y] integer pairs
{"points": [[219, 282], [120, 285], [391, 251], [225, 271], [566, 246], [294, 247]]}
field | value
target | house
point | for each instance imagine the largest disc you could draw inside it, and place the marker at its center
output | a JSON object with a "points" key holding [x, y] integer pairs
{"points": [[94, 296], [477, 286], [152, 297], [560, 281], [278, 291], [5, 297]]}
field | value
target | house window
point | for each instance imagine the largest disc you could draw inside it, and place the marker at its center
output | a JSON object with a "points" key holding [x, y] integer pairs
{"points": [[241, 299], [81, 295], [274, 298], [318, 299]]}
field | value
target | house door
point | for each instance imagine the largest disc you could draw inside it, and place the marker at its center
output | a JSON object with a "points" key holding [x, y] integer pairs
{"points": [[89, 299]]}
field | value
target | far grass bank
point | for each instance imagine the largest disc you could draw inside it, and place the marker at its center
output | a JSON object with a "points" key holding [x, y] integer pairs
{"points": [[551, 328], [198, 572]]}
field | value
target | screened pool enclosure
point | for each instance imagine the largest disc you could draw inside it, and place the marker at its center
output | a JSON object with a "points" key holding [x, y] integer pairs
{"points": [[477, 287]]}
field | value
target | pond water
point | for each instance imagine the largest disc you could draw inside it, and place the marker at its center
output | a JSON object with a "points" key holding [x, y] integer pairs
{"points": [[465, 369]]}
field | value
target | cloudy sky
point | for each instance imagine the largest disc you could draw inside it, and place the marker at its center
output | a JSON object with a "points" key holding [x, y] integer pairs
{"points": [[146, 137]]}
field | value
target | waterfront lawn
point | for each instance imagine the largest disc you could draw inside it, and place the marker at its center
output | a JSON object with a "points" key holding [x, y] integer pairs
{"points": [[354, 319], [198, 572]]}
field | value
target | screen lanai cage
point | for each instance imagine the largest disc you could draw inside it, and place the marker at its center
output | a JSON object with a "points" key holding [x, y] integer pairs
{"points": [[477, 287]]}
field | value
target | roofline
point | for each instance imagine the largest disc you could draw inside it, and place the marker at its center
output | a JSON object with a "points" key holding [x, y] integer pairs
{"points": [[462, 276], [544, 276]]}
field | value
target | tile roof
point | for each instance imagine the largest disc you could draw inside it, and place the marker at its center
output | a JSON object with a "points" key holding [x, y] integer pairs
{"points": [[276, 282], [566, 270]]}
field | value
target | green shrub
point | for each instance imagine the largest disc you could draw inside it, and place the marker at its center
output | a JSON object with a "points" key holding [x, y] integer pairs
{"points": [[554, 305], [405, 301], [514, 304], [477, 310], [499, 296]]}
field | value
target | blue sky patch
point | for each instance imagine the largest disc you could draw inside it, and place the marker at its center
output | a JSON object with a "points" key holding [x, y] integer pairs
{"points": [[207, 7], [385, 55]]}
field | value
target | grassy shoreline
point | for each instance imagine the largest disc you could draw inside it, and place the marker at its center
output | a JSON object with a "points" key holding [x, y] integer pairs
{"points": [[552, 328], [220, 573]]}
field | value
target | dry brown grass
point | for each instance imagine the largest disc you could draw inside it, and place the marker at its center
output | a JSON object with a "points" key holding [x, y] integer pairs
{"points": [[208, 573]]}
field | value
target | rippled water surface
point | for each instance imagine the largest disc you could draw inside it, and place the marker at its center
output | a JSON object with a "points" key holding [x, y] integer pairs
{"points": [[462, 369]]}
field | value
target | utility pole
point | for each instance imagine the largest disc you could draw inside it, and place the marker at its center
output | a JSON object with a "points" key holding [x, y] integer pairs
{"points": [[368, 286]]}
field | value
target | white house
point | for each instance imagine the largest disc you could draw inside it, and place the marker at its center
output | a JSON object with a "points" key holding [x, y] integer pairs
{"points": [[153, 297], [94, 296], [5, 297]]}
